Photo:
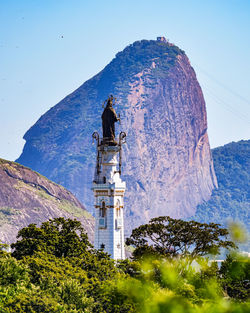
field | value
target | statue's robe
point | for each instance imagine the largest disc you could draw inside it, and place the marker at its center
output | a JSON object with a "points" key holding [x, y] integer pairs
{"points": [[109, 118]]}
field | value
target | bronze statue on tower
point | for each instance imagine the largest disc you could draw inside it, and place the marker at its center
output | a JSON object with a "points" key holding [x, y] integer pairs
{"points": [[108, 186], [109, 118]]}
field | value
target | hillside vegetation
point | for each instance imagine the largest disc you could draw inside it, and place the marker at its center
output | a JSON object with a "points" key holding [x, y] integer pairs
{"points": [[232, 198], [28, 197]]}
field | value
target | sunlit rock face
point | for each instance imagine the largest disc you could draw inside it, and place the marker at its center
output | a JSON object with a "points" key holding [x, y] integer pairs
{"points": [[167, 163]]}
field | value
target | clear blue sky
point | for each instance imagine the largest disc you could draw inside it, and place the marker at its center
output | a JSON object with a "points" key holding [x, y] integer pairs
{"points": [[38, 67]]}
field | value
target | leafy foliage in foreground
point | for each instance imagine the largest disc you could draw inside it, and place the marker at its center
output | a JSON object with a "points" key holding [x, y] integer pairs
{"points": [[235, 274], [49, 278]]}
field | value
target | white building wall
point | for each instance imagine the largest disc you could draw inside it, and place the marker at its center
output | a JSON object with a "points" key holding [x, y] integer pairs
{"points": [[118, 232], [111, 236]]}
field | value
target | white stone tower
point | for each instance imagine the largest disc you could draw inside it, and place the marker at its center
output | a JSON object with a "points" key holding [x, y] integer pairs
{"points": [[109, 189]]}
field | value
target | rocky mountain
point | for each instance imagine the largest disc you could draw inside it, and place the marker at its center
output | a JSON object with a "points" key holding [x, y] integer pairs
{"points": [[167, 163], [27, 197], [231, 201]]}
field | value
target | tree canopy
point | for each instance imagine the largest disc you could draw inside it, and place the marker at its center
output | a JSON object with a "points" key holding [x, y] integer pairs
{"points": [[54, 269], [60, 237], [168, 237]]}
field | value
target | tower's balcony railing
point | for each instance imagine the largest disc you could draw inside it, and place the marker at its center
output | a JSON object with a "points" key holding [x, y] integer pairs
{"points": [[98, 185], [109, 141], [106, 147]]}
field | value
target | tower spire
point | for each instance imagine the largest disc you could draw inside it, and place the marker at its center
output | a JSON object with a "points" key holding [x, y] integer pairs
{"points": [[108, 186]]}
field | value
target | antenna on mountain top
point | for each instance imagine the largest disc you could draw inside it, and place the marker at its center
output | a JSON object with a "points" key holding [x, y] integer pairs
{"points": [[162, 39]]}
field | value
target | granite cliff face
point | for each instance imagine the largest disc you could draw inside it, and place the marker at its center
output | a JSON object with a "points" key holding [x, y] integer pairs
{"points": [[167, 163], [27, 197]]}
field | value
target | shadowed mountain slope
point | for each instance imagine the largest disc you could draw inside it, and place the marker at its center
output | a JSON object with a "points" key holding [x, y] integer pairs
{"points": [[231, 201], [27, 197], [167, 163]]}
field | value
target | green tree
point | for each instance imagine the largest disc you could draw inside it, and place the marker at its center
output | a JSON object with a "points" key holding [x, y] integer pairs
{"points": [[168, 237], [235, 276], [59, 237], [64, 239], [63, 265], [12, 271], [48, 278]]}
